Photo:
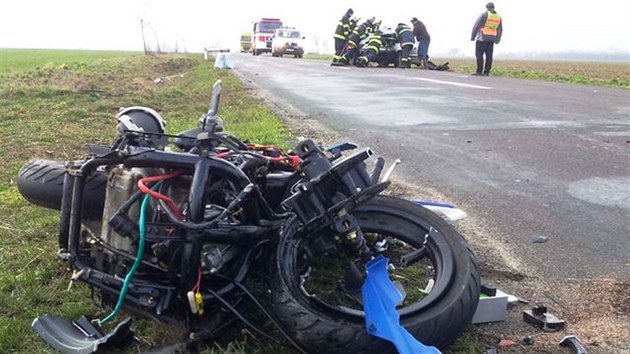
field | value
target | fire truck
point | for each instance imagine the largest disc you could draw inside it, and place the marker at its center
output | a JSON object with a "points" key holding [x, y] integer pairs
{"points": [[262, 34]]}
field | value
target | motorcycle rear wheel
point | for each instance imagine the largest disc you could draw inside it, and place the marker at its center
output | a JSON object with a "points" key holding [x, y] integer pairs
{"points": [[312, 318], [41, 183]]}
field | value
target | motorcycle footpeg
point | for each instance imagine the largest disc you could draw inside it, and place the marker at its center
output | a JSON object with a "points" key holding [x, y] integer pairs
{"points": [[81, 336]]}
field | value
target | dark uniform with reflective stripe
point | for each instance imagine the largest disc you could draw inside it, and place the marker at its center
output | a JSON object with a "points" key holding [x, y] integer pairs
{"points": [[351, 50], [341, 34], [370, 51], [406, 40]]}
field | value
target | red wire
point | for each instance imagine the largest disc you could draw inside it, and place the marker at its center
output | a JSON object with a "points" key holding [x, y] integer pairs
{"points": [[142, 186], [197, 286], [223, 154]]}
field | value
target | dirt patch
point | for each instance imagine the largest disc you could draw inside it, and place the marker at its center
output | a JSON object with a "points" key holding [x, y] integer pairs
{"points": [[596, 310], [174, 66]]}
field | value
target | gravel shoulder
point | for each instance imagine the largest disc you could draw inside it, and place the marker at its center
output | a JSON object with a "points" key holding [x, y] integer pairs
{"points": [[595, 310]]}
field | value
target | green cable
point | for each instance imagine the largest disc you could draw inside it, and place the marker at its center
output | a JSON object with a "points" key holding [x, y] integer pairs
{"points": [[137, 261]]}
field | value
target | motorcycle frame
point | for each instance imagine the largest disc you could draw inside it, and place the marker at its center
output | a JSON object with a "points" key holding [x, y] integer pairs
{"points": [[317, 206]]}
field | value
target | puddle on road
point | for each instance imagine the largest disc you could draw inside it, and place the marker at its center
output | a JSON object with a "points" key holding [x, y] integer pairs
{"points": [[603, 191]]}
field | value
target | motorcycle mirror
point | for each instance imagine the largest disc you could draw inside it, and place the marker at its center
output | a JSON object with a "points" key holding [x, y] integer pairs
{"points": [[211, 117], [214, 102]]}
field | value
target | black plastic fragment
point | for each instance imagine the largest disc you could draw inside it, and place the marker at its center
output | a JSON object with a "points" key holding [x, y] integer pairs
{"points": [[81, 336]]}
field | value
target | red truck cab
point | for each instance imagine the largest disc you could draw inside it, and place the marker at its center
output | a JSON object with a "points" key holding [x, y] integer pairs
{"points": [[262, 34]]}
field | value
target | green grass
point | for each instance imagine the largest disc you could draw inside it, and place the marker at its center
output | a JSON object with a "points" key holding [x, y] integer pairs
{"points": [[328, 57], [52, 103], [28, 59]]}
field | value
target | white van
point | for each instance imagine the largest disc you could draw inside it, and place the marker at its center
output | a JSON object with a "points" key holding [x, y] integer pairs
{"points": [[287, 40]]}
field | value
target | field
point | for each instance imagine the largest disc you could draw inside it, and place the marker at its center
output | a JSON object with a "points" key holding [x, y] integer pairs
{"points": [[52, 103], [599, 74], [26, 59]]}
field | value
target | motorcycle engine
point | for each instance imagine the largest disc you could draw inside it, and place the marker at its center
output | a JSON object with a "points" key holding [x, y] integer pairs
{"points": [[121, 185]]}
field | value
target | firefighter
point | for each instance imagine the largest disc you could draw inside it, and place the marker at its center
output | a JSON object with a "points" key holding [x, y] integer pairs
{"points": [[351, 50], [353, 24], [370, 51], [406, 40], [341, 34]]}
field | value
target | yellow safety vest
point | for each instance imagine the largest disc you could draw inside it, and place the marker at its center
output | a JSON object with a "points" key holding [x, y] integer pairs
{"points": [[491, 25]]}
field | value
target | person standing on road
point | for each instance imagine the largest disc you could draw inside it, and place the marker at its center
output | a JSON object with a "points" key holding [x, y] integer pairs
{"points": [[424, 39], [341, 35], [486, 32], [406, 40]]}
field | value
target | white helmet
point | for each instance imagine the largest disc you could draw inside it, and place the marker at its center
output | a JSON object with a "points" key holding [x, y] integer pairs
{"points": [[138, 118]]}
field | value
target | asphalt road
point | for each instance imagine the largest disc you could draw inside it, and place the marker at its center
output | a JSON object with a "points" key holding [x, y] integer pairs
{"points": [[526, 158]]}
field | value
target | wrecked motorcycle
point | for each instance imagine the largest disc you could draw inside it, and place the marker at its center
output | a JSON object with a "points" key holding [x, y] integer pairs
{"points": [[201, 230]]}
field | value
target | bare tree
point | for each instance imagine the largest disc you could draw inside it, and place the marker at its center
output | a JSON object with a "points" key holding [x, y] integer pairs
{"points": [[144, 42]]}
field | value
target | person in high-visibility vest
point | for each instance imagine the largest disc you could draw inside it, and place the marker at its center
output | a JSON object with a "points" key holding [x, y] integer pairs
{"points": [[341, 35], [486, 32]]}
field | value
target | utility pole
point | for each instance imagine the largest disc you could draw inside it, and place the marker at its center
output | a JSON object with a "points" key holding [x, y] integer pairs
{"points": [[144, 43]]}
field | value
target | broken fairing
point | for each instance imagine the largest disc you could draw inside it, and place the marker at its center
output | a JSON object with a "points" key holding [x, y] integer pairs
{"points": [[81, 336]]}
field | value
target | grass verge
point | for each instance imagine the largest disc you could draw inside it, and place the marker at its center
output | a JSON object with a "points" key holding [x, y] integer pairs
{"points": [[52, 103]]}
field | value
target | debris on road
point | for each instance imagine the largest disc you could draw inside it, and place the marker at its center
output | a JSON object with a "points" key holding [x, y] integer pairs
{"points": [[529, 340], [506, 343], [540, 239], [574, 343], [492, 307], [491, 350], [539, 317]]}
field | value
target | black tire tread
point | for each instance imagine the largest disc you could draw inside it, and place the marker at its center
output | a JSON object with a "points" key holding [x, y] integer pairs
{"points": [[41, 183], [319, 332]]}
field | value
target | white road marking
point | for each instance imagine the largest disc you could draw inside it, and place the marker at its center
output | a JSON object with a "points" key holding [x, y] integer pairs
{"points": [[454, 83]]}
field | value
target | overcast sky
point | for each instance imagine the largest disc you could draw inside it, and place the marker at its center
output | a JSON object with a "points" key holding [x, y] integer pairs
{"points": [[529, 25]]}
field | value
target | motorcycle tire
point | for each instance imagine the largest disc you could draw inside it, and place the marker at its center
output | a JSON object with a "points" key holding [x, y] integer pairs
{"points": [[437, 319], [41, 183]]}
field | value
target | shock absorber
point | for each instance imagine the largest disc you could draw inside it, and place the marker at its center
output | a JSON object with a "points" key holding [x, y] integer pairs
{"points": [[348, 226]]}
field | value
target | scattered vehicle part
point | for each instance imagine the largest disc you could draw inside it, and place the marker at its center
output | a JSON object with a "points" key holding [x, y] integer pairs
{"points": [[538, 316], [528, 340], [380, 298], [81, 336], [491, 308], [448, 210], [489, 290], [491, 350], [390, 170], [574, 343], [506, 343], [540, 239]]}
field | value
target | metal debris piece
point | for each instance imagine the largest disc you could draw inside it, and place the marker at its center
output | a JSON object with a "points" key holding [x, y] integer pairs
{"points": [[539, 317]]}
